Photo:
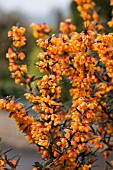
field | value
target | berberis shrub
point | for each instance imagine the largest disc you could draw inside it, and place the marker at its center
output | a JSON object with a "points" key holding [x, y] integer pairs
{"points": [[69, 135]]}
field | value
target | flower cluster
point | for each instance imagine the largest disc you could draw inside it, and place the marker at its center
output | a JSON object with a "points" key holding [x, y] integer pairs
{"points": [[89, 14], [17, 35], [67, 27], [68, 134], [15, 57], [4, 163], [41, 30]]}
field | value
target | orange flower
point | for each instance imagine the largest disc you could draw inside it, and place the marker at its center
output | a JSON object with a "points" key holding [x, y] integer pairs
{"points": [[40, 31], [110, 23], [17, 36]]}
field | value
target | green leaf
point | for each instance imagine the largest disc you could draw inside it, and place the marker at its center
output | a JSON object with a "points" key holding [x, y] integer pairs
{"points": [[109, 164], [38, 165], [65, 163], [7, 151], [48, 162], [18, 160], [5, 157]]}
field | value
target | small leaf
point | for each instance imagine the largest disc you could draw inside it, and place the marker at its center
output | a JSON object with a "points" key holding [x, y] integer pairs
{"points": [[18, 160], [65, 163], [109, 164], [7, 151], [48, 162], [38, 165]]}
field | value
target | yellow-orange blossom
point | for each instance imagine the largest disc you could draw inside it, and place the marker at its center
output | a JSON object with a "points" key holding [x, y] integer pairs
{"points": [[62, 135]]}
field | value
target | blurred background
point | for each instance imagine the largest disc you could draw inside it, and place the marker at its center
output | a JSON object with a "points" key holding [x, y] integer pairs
{"points": [[25, 12]]}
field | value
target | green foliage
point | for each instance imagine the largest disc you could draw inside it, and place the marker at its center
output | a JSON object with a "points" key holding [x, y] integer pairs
{"points": [[8, 87], [32, 62]]}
